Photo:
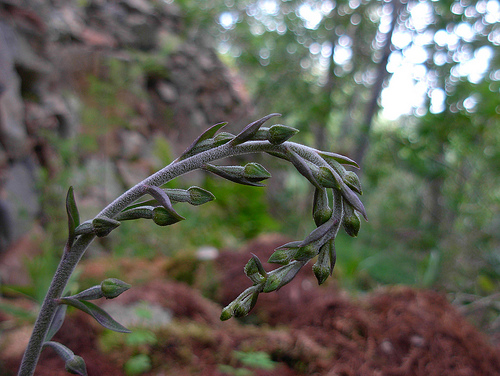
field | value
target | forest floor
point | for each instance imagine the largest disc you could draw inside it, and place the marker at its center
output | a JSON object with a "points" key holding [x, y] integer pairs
{"points": [[302, 329]]}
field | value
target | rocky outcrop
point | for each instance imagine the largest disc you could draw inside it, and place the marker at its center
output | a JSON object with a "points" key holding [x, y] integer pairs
{"points": [[100, 81]]}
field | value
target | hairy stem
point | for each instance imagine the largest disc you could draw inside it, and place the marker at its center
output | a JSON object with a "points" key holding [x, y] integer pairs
{"points": [[70, 259]]}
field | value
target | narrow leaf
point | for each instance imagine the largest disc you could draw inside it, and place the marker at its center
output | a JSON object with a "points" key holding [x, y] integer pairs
{"points": [[353, 200], [100, 315], [281, 276], [73, 216], [278, 154], [91, 293], [142, 203], [209, 133], [320, 231], [252, 128], [56, 322], [136, 212], [302, 167], [338, 158], [161, 196]]}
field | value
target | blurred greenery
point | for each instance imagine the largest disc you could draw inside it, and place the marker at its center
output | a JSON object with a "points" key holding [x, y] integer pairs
{"points": [[431, 176]]}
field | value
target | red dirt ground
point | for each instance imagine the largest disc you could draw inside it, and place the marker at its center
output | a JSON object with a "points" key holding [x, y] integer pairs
{"points": [[308, 330]]}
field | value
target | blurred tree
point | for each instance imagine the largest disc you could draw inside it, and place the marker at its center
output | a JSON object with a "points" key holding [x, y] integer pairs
{"points": [[330, 66]]}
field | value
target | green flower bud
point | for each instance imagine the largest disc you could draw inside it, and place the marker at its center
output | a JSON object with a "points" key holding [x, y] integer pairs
{"points": [[322, 212], [238, 174], [351, 220], [255, 172], [280, 133], [306, 252], [352, 181], [245, 305], [326, 179], [285, 253], [337, 167], [199, 196], [163, 217], [255, 271], [103, 226], [281, 276], [326, 261], [321, 272], [227, 313], [113, 287], [76, 366]]}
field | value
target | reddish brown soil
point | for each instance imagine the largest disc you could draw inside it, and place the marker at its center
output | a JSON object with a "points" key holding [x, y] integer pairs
{"points": [[305, 328]]}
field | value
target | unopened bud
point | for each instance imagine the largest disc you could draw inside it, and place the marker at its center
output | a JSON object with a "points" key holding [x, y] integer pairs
{"points": [[281, 276], [326, 179], [351, 220], [254, 270], [227, 313], [76, 366], [280, 133], [352, 181], [113, 287], [199, 196], [255, 172], [306, 252], [322, 212], [103, 226], [163, 217], [245, 305], [326, 261], [285, 253]]}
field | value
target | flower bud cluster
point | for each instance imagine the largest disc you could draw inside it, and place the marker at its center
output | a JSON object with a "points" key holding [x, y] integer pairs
{"points": [[333, 183]]}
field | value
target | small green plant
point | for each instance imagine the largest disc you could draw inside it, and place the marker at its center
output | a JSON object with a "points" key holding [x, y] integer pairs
{"points": [[324, 170], [251, 360]]}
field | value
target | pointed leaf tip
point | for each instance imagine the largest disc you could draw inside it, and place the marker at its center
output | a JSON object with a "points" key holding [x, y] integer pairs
{"points": [[72, 212], [209, 133], [252, 128], [100, 315]]}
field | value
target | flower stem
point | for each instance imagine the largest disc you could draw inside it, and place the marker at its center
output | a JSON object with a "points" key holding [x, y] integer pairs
{"points": [[70, 259]]}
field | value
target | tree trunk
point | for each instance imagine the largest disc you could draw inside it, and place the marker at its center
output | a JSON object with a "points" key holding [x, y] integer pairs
{"points": [[372, 105]]}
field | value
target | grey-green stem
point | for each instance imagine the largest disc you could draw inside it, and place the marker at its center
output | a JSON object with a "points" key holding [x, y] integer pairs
{"points": [[70, 259]]}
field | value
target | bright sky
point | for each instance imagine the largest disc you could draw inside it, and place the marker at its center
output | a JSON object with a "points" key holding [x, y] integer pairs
{"points": [[410, 85]]}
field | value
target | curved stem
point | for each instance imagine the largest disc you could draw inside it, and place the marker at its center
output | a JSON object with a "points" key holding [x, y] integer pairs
{"points": [[70, 259]]}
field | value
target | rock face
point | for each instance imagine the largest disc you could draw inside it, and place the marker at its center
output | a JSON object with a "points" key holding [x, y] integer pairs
{"points": [[99, 78]]}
